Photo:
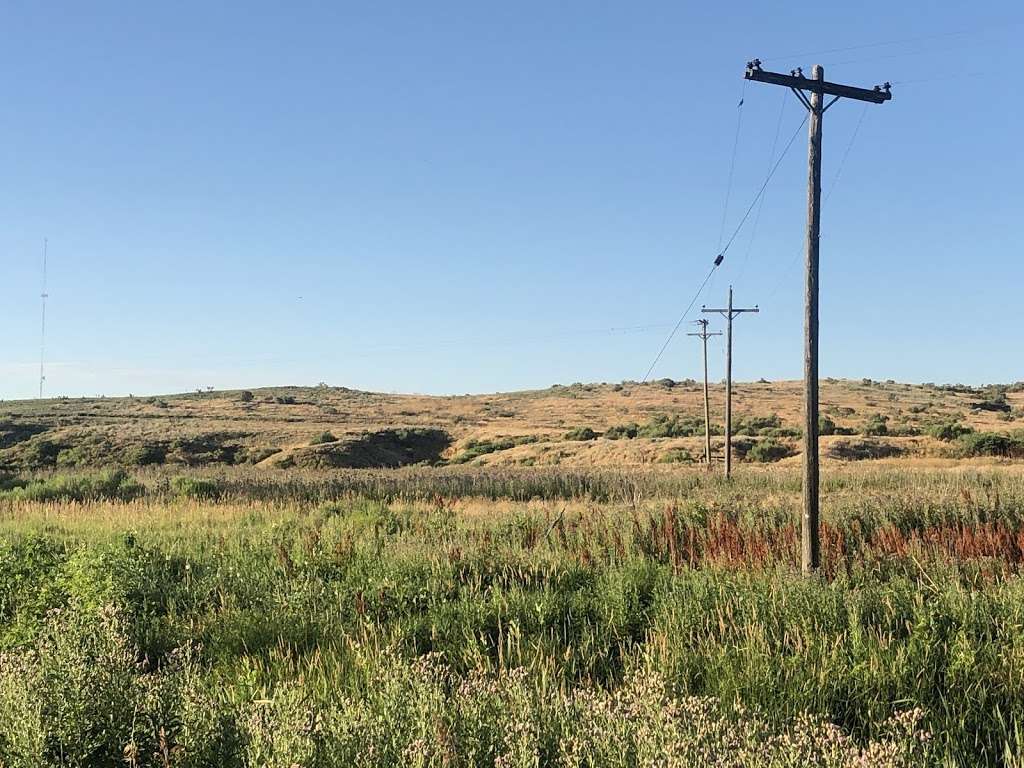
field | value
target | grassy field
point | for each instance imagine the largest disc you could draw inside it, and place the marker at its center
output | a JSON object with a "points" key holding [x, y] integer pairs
{"points": [[470, 616]]}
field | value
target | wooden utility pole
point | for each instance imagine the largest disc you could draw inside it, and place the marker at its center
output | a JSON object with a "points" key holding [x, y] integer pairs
{"points": [[703, 336], [729, 313], [818, 88]]}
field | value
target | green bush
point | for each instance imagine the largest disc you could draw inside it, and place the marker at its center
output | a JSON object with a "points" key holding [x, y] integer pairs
{"points": [[859, 450], [876, 426], [949, 431], [662, 425], [476, 448], [995, 402], [322, 438], [197, 488], [622, 431], [114, 485], [676, 456], [768, 451], [581, 434], [146, 454], [990, 444], [756, 425]]}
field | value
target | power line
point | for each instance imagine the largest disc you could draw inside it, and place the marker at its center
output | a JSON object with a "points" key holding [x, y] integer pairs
{"points": [[942, 79], [682, 317], [764, 185], [732, 162], [760, 205], [832, 188], [882, 44], [721, 255]]}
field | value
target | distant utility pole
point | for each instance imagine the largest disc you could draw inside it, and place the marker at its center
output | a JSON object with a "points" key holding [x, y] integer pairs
{"points": [[819, 88], [42, 330], [703, 336], [729, 313]]}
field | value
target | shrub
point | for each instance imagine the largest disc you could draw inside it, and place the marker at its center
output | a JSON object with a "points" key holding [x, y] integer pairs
{"points": [[741, 447], [245, 396], [903, 429], [581, 434], [949, 431], [826, 426], [323, 437], [990, 444], [995, 402], [859, 450], [676, 456], [476, 448], [622, 431], [146, 454], [198, 488], [661, 425], [755, 425], [768, 451], [114, 485], [876, 426], [42, 453]]}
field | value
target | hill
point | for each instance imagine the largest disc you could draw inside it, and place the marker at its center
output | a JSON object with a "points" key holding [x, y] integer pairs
{"points": [[577, 425]]}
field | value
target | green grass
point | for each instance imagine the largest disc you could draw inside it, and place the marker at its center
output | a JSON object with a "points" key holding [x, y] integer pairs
{"points": [[247, 628]]}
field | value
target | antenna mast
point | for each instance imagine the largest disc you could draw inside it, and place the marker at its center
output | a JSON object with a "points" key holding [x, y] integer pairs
{"points": [[42, 331]]}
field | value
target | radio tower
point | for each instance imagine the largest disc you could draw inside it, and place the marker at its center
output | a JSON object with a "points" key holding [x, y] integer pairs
{"points": [[42, 331]]}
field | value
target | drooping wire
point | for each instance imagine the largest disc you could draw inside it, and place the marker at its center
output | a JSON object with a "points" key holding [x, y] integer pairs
{"points": [[828, 194], [682, 317], [732, 162], [760, 205], [764, 186], [721, 255]]}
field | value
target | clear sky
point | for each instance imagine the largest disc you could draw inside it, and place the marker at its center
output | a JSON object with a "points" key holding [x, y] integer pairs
{"points": [[454, 197]]}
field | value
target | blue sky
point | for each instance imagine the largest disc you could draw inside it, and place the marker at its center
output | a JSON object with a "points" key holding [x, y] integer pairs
{"points": [[460, 197]]}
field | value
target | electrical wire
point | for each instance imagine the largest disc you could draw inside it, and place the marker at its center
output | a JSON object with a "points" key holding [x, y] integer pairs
{"points": [[760, 205], [882, 44], [721, 255], [763, 186], [828, 194], [681, 319], [732, 162]]}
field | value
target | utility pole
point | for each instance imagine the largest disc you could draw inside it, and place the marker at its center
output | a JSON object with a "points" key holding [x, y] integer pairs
{"points": [[42, 331], [729, 313], [703, 336], [818, 88]]}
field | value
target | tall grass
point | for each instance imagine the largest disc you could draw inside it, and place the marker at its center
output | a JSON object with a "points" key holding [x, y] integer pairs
{"points": [[183, 628]]}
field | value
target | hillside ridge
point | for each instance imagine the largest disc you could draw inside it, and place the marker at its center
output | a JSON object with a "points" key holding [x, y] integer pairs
{"points": [[578, 424]]}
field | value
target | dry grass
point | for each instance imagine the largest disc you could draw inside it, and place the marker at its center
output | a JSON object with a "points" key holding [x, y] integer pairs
{"points": [[287, 420]]}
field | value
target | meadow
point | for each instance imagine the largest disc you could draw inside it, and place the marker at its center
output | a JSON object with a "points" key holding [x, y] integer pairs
{"points": [[471, 616]]}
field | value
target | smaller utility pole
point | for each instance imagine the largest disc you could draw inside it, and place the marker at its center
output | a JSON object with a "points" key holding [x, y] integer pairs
{"points": [[42, 331], [729, 313], [703, 336]]}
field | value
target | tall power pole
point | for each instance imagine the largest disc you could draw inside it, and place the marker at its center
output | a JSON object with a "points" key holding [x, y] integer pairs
{"points": [[703, 335], [42, 330], [729, 313], [818, 88]]}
